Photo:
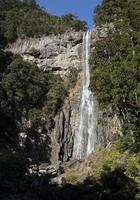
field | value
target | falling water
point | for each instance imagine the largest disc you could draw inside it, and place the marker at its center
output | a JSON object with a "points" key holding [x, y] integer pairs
{"points": [[86, 138]]}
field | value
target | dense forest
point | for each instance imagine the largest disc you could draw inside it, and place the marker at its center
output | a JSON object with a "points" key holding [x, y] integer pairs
{"points": [[115, 79], [26, 19], [27, 93], [115, 73]]}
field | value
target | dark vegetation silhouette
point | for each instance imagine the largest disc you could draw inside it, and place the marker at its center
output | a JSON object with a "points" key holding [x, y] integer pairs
{"points": [[112, 185]]}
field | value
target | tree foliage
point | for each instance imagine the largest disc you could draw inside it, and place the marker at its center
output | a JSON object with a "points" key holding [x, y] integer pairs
{"points": [[26, 19], [27, 95], [115, 73]]}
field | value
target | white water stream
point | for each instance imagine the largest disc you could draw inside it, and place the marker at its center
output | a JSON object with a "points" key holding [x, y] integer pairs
{"points": [[86, 138]]}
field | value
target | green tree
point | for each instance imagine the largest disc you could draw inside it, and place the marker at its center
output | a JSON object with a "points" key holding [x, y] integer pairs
{"points": [[115, 65]]}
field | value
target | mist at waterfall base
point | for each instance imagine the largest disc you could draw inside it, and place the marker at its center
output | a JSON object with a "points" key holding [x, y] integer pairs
{"points": [[86, 138]]}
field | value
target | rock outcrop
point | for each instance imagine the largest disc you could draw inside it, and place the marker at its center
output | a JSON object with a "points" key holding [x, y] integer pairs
{"points": [[68, 120], [60, 53], [108, 128], [55, 53], [66, 126], [101, 32]]}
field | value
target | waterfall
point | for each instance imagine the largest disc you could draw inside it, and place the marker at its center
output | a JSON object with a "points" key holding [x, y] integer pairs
{"points": [[85, 139]]}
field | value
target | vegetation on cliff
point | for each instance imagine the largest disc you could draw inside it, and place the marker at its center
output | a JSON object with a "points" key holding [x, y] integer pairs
{"points": [[26, 19], [115, 78], [107, 174], [30, 97], [115, 66]]}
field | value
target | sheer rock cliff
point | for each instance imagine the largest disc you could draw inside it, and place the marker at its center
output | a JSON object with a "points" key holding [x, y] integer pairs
{"points": [[57, 53], [60, 53]]}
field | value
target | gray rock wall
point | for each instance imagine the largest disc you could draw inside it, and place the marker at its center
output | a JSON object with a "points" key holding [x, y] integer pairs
{"points": [[67, 122], [55, 53], [58, 54], [66, 126]]}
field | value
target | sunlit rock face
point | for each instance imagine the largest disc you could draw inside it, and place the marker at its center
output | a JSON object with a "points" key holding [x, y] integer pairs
{"points": [[80, 128], [57, 53]]}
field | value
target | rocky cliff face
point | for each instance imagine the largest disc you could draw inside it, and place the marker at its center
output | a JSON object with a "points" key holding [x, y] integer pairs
{"points": [[108, 128], [101, 32], [57, 53], [67, 122], [67, 126]]}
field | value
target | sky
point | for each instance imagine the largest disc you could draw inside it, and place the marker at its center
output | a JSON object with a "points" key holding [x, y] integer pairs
{"points": [[83, 9]]}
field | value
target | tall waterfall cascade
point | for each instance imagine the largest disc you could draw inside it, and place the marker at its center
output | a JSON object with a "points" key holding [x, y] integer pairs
{"points": [[85, 140]]}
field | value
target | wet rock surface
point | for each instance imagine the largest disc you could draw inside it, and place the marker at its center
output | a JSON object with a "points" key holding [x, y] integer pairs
{"points": [[68, 121]]}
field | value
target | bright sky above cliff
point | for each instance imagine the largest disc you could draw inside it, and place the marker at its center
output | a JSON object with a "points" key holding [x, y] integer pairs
{"points": [[83, 9]]}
